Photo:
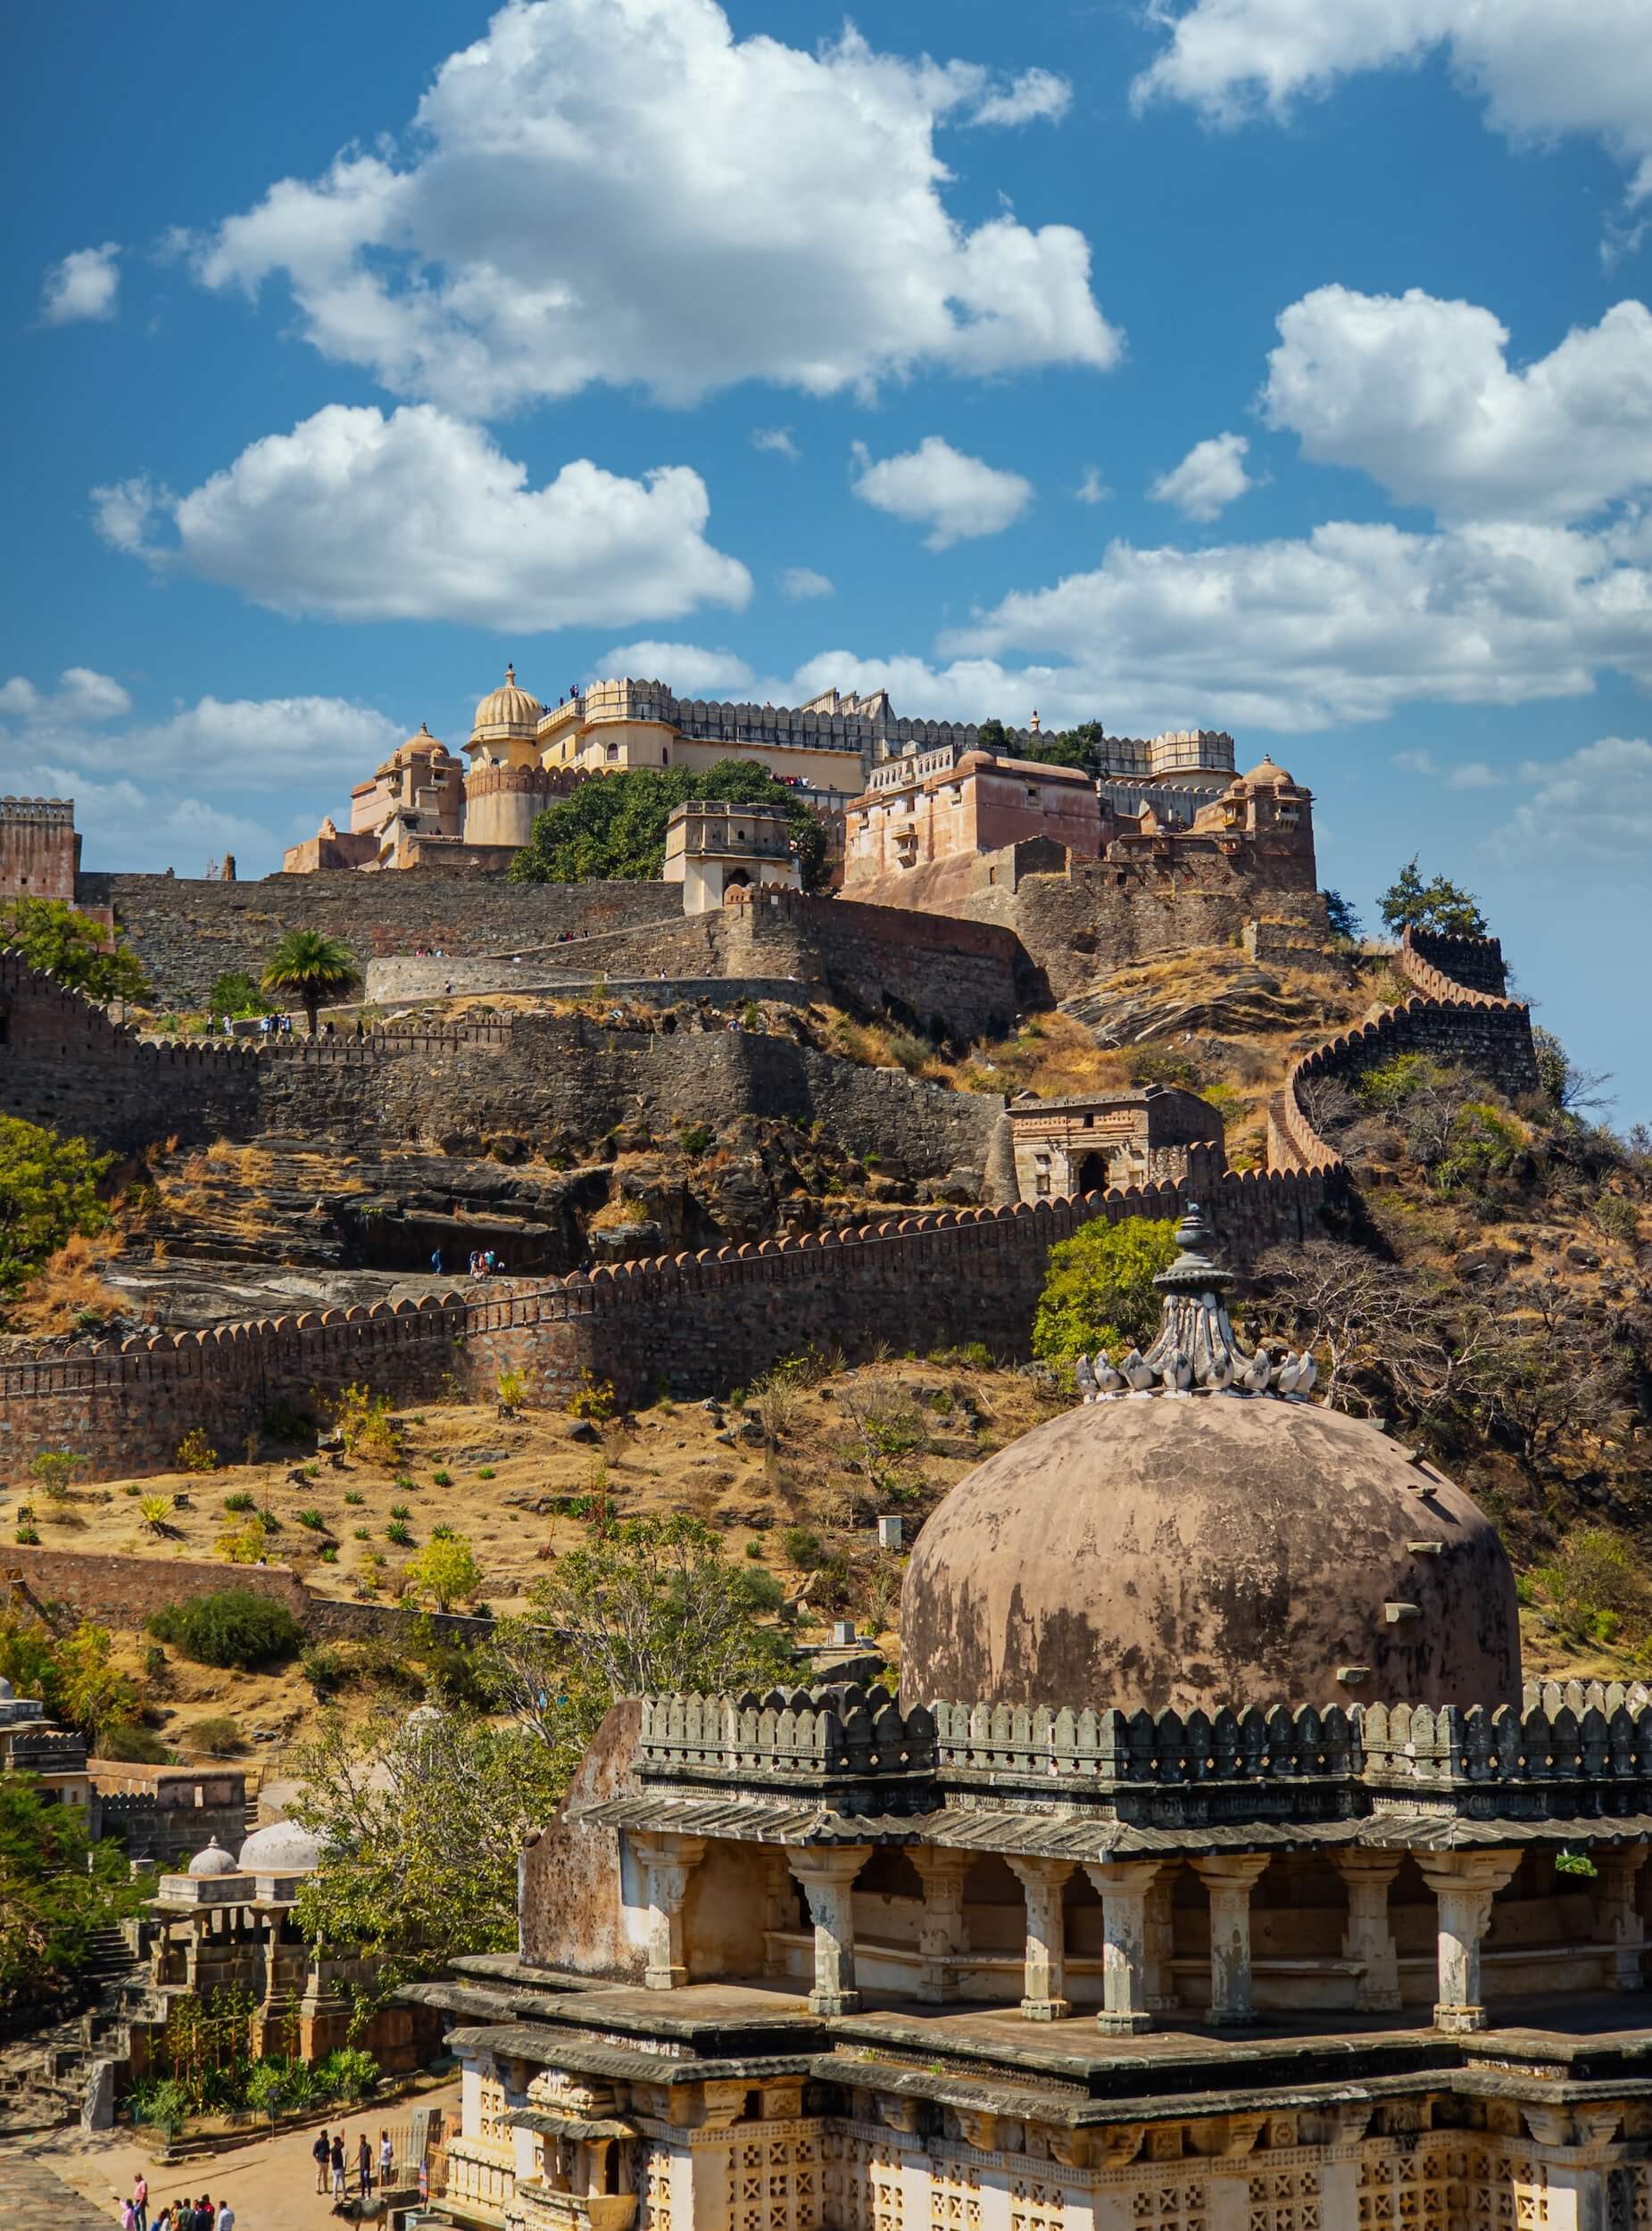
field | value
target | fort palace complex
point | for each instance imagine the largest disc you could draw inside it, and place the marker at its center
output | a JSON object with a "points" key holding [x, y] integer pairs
{"points": [[850, 757], [1207, 1865]]}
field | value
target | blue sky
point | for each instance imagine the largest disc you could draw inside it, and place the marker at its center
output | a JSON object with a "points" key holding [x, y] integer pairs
{"points": [[1241, 363]]}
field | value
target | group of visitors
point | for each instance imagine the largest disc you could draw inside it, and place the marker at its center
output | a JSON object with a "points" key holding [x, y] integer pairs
{"points": [[335, 2163], [275, 1026], [484, 1264], [177, 2214]]}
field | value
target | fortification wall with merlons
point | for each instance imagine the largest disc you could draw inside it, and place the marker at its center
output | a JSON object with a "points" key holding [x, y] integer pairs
{"points": [[695, 1324], [1460, 1015]]}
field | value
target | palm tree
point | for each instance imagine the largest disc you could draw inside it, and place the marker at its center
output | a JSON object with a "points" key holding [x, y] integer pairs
{"points": [[312, 966]]}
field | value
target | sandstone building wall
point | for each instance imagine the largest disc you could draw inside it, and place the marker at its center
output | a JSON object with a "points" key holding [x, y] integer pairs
{"points": [[696, 1323]]}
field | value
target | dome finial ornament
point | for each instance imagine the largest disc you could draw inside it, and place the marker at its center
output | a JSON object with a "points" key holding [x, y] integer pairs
{"points": [[1195, 1350]]}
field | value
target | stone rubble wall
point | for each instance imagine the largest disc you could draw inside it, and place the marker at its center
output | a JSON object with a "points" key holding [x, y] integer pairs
{"points": [[187, 933], [540, 1080], [1459, 1015], [123, 1591], [694, 1324]]}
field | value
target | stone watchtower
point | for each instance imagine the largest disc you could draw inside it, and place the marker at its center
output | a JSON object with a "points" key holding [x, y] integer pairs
{"points": [[39, 851], [712, 848]]}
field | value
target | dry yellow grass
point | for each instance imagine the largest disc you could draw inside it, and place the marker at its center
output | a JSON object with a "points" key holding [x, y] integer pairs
{"points": [[68, 1287], [503, 1475]]}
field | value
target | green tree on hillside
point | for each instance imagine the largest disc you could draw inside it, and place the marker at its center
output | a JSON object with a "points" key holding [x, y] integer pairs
{"points": [[420, 1828], [71, 1671], [1079, 746], [614, 827], [1099, 1290], [74, 947], [48, 1191], [655, 1604], [56, 1888], [1439, 905], [311, 967], [235, 992], [1340, 917]]}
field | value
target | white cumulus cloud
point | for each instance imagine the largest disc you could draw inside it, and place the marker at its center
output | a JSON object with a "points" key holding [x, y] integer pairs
{"points": [[1092, 488], [777, 438], [623, 191], [221, 774], [1210, 478], [84, 284], [1596, 802], [1342, 625], [956, 497], [1036, 95], [802, 581], [420, 516], [1541, 70], [684, 668], [1419, 392]]}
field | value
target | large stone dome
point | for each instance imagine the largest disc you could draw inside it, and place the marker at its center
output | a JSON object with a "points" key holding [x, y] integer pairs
{"points": [[1204, 1550]]}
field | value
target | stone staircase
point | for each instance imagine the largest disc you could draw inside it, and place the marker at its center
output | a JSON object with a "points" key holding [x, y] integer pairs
{"points": [[45, 2077]]}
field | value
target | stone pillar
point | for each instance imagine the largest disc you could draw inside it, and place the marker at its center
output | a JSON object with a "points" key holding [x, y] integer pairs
{"points": [[666, 1863], [827, 1874], [1123, 1885], [1464, 1884], [941, 1936], [1618, 1912], [1162, 1997], [1367, 1876], [1044, 1997], [1230, 1880]]}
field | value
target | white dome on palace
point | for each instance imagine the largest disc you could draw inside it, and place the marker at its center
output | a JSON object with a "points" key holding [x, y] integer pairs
{"points": [[213, 1861], [508, 711], [281, 1848], [6, 1690]]}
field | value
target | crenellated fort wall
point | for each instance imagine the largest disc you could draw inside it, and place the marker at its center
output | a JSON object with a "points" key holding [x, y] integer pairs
{"points": [[188, 934], [1460, 1016], [551, 1084], [697, 1324]]}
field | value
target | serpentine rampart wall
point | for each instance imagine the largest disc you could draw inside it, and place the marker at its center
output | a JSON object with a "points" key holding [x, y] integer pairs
{"points": [[1460, 1015]]}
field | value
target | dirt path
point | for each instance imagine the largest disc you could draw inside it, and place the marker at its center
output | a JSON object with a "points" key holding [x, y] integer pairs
{"points": [[269, 2182]]}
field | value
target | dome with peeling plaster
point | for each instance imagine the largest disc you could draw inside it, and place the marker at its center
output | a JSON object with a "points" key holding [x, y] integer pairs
{"points": [[1206, 1550]]}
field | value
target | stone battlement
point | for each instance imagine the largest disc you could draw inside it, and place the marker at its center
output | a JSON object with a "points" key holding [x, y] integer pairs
{"points": [[59, 812], [706, 1320], [1457, 1019]]}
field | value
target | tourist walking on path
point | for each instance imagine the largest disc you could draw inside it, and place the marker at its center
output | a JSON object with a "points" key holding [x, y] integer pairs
{"points": [[140, 2201], [322, 2153], [337, 2159], [364, 2168], [226, 2217], [386, 2161]]}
